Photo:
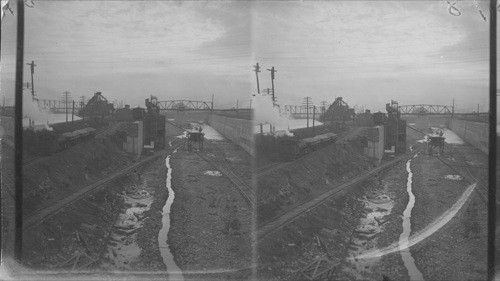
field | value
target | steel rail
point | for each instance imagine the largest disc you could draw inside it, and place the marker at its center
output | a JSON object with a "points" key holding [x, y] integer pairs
{"points": [[221, 164], [226, 170], [38, 216], [469, 176], [281, 220]]}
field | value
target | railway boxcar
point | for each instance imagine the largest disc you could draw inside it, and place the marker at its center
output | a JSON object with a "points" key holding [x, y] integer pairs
{"points": [[309, 145], [71, 138]]}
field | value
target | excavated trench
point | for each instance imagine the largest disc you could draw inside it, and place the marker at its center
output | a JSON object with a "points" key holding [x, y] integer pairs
{"points": [[374, 230], [114, 229]]}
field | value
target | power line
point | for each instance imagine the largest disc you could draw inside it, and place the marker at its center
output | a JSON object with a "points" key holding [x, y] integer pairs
{"points": [[257, 70], [32, 65], [272, 70]]}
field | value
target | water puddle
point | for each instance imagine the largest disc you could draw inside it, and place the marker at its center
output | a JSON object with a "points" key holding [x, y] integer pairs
{"points": [[408, 259], [430, 229], [122, 250], [174, 272], [453, 177], [365, 238], [213, 173]]}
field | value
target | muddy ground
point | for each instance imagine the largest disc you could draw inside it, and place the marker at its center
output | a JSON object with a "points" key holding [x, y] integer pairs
{"points": [[306, 178], [457, 251], [51, 243], [438, 257], [45, 182], [285, 254], [211, 223]]}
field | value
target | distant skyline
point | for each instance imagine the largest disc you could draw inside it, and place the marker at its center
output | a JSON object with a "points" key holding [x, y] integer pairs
{"points": [[367, 52], [129, 50], [373, 52]]}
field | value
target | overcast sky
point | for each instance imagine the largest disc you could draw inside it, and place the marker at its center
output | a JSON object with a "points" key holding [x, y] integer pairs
{"points": [[367, 52]]}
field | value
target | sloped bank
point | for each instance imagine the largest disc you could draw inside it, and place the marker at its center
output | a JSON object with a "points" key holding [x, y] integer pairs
{"points": [[85, 227], [64, 172], [306, 178], [323, 234]]}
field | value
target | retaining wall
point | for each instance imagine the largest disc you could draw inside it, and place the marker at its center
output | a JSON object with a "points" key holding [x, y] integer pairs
{"points": [[474, 133], [237, 130]]}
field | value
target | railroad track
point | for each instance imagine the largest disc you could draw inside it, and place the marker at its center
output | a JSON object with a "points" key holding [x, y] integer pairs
{"points": [[221, 164], [281, 220], [463, 170], [38, 216]]}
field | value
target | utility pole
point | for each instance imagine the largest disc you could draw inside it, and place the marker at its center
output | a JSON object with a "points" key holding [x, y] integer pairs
{"points": [[73, 113], [66, 94], [268, 91], [257, 70], [212, 102], [307, 101], [314, 115], [32, 64], [453, 109], [323, 107], [237, 104], [272, 81]]}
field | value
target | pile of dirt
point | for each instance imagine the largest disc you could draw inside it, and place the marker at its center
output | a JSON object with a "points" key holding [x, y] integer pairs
{"points": [[306, 178], [63, 172]]}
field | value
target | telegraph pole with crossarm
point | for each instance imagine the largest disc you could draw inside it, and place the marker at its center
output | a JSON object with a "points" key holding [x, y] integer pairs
{"points": [[32, 64], [257, 70], [272, 81]]}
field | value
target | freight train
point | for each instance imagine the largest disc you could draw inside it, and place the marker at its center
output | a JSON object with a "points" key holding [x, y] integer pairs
{"points": [[71, 138], [293, 148], [48, 142], [308, 145]]}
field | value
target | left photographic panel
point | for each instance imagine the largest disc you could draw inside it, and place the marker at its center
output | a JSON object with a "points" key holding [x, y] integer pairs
{"points": [[137, 140]]}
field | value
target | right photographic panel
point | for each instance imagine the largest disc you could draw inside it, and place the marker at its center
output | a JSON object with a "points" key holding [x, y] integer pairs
{"points": [[371, 134]]}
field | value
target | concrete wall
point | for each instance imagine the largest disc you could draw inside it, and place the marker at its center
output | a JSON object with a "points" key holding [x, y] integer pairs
{"points": [[472, 132], [375, 147], [135, 144], [237, 130]]}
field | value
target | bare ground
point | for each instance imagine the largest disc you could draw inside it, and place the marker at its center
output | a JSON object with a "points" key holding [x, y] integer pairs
{"points": [[211, 223]]}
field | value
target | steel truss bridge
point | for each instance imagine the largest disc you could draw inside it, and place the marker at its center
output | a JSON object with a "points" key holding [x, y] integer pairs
{"points": [[58, 105], [299, 111], [184, 105], [426, 109]]}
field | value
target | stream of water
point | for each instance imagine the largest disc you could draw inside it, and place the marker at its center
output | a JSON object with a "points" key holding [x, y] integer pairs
{"points": [[174, 272], [408, 259]]}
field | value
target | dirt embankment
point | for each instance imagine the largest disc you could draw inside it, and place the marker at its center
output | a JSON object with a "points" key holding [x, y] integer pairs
{"points": [[64, 172], [324, 232], [306, 178], [82, 226], [49, 244], [211, 223]]}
